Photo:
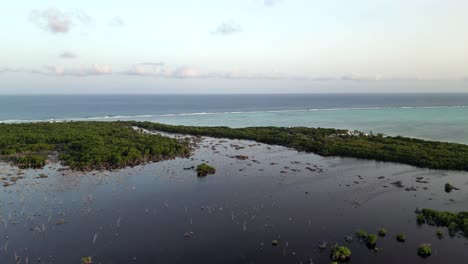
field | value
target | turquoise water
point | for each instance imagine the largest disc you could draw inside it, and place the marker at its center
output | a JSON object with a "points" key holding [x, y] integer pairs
{"points": [[443, 124], [441, 117]]}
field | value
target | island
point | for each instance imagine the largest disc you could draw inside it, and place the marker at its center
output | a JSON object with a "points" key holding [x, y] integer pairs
{"points": [[88, 145]]}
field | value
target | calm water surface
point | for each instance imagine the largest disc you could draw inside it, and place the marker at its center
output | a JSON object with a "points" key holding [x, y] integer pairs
{"points": [[140, 215]]}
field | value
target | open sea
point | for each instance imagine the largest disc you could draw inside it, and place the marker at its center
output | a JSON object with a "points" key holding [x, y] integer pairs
{"points": [[442, 117]]}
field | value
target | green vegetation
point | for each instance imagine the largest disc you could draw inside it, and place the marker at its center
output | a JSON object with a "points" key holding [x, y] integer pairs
{"points": [[371, 240], [439, 234], [382, 232], [339, 142], [205, 169], [420, 219], [361, 234], [401, 237], [449, 188], [424, 250], [453, 221], [340, 253], [84, 145], [94, 145]]}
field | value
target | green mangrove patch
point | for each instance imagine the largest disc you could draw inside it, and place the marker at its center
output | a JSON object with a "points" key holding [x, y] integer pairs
{"points": [[84, 145], [338, 142], [455, 222], [424, 250], [401, 237], [340, 253], [205, 169]]}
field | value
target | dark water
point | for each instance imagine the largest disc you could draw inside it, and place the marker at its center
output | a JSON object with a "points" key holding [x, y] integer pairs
{"points": [[234, 215]]}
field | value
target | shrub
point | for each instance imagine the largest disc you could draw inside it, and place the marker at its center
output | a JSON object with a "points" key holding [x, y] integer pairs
{"points": [[382, 232], [361, 234], [401, 237], [449, 188], [340, 253], [424, 250], [371, 240], [420, 219], [205, 169]]}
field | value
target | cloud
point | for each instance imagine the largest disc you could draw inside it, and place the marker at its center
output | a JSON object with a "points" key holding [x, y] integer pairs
{"points": [[228, 28], [160, 70], [270, 2], [156, 69], [56, 21], [117, 22], [186, 72], [67, 55], [83, 71], [52, 19]]}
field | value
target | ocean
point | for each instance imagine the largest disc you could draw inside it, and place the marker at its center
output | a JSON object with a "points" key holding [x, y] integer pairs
{"points": [[442, 117]]}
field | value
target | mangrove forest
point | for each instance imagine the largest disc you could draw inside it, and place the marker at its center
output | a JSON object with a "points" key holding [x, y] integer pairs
{"points": [[84, 145], [338, 142]]}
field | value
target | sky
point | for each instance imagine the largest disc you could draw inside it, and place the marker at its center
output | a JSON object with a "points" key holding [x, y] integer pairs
{"points": [[233, 46]]}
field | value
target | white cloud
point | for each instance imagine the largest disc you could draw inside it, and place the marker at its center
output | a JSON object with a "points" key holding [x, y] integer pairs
{"points": [[186, 72], [228, 28], [57, 21], [156, 69], [83, 71], [52, 19], [159, 70]]}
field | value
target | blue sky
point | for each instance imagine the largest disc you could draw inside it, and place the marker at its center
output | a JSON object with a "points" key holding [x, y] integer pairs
{"points": [[236, 46]]}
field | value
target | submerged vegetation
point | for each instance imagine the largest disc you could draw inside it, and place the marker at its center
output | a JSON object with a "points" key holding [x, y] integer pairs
{"points": [[401, 237], [453, 221], [382, 232], [338, 142], [84, 145], [205, 169], [362, 234]]}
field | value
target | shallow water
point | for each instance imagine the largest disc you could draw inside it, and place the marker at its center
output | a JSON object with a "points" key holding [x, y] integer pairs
{"points": [[442, 117], [140, 215]]}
